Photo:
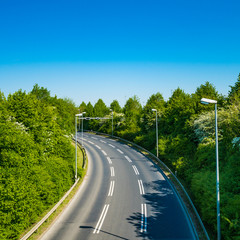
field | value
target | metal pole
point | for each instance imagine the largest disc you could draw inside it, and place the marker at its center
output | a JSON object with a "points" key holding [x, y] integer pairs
{"points": [[82, 132], [112, 123], [217, 179], [157, 133], [76, 148]]}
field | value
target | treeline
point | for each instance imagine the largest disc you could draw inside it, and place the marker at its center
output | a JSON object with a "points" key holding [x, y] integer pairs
{"points": [[36, 156], [187, 144]]}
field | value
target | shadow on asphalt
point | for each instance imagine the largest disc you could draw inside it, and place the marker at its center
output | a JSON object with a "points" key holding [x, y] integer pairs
{"points": [[108, 233], [167, 219]]}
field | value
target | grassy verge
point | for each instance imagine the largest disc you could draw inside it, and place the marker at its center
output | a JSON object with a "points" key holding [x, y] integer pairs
{"points": [[58, 211]]}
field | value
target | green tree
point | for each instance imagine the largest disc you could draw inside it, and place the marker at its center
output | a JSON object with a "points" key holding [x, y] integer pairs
{"points": [[115, 106], [100, 109]]}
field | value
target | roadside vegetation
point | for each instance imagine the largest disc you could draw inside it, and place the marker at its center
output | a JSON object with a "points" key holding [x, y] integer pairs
{"points": [[186, 130], [37, 158]]}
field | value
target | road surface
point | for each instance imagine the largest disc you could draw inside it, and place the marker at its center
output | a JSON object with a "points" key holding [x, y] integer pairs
{"points": [[123, 196]]}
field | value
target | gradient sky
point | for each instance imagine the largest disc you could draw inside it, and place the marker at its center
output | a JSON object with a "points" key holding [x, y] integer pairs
{"points": [[114, 49]]}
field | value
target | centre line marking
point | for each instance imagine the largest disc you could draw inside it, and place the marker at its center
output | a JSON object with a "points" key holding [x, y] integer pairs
{"points": [[143, 218], [101, 219], [112, 171], [109, 160], [119, 151], [111, 145], [141, 188], [102, 141], [128, 158], [90, 142], [97, 146], [135, 170], [104, 152], [94, 138], [111, 188]]}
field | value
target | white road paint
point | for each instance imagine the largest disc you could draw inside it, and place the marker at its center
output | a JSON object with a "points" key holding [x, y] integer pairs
{"points": [[111, 145], [112, 172], [104, 152], [111, 188], [141, 188], [94, 138], [101, 219], [135, 170], [109, 160], [120, 151], [102, 141], [98, 147], [143, 218], [91, 142], [129, 160]]}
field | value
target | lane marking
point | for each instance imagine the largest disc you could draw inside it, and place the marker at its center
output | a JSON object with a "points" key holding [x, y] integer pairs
{"points": [[111, 145], [143, 218], [109, 160], [141, 188], [101, 219], [128, 158], [104, 152], [102, 141], [112, 172], [135, 170], [119, 151], [91, 142], [97, 146], [94, 138], [111, 188], [112, 140]]}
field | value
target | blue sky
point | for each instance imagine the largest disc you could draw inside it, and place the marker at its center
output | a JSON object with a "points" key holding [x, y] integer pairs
{"points": [[91, 49]]}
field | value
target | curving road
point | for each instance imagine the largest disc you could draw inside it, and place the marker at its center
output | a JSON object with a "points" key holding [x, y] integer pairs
{"points": [[123, 196]]}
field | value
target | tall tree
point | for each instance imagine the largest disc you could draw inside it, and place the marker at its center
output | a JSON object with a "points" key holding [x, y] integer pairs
{"points": [[83, 107], [100, 109], [157, 102], [115, 106]]}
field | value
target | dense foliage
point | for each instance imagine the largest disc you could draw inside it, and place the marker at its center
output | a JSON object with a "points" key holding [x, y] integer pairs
{"points": [[36, 156], [187, 144]]}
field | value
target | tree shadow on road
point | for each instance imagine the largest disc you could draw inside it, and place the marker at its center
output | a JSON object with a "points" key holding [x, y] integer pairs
{"points": [[165, 217]]}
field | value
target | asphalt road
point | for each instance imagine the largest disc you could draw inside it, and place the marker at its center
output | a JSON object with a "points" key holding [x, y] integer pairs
{"points": [[123, 196]]}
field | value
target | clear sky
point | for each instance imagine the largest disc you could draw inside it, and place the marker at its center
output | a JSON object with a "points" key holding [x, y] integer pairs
{"points": [[114, 49]]}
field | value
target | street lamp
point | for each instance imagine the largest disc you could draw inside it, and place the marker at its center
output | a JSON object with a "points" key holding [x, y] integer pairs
{"points": [[76, 115], [112, 120], [82, 128], [209, 101], [155, 110]]}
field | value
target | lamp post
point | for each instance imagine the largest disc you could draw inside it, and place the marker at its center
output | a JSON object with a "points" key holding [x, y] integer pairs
{"points": [[76, 116], [82, 128], [209, 101], [155, 110], [112, 120]]}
